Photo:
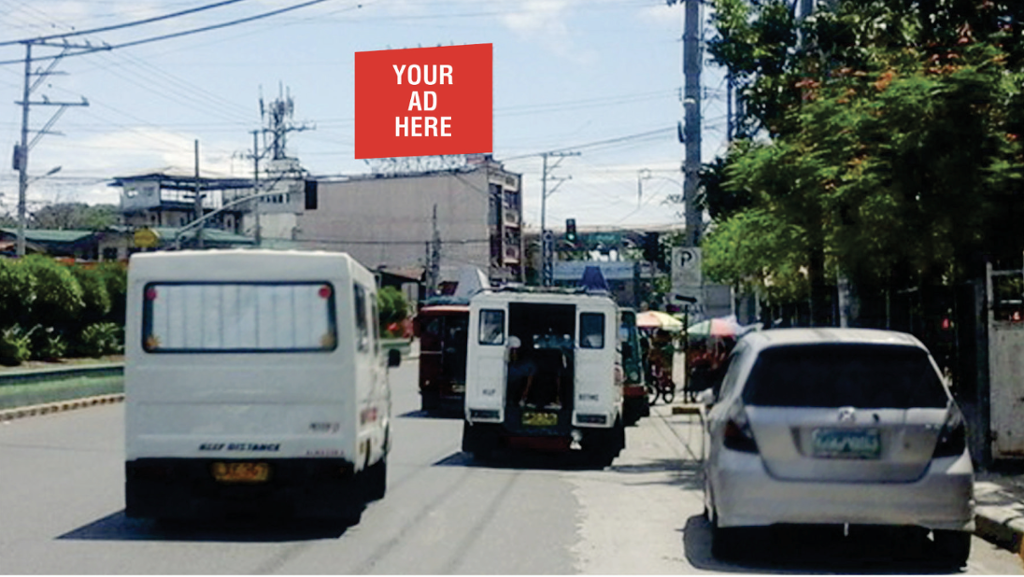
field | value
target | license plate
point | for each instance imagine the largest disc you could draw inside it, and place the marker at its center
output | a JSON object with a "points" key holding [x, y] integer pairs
{"points": [[240, 472], [458, 388], [540, 419], [847, 443]]}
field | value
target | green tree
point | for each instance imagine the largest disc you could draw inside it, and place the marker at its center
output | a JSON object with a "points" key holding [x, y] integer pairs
{"points": [[894, 153], [392, 306], [58, 300]]}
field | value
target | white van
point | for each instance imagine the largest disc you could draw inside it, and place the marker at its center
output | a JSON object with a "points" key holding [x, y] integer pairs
{"points": [[254, 384], [544, 370]]}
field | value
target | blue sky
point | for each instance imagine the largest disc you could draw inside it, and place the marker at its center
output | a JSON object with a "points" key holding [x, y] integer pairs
{"points": [[567, 74]]}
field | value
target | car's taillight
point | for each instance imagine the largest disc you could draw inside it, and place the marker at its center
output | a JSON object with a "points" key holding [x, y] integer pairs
{"points": [[738, 436], [953, 436]]}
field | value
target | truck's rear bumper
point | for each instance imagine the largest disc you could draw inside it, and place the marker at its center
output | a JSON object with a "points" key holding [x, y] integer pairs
{"points": [[186, 489]]}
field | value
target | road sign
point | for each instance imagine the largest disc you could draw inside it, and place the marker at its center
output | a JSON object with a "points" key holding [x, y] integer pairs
{"points": [[686, 262]]}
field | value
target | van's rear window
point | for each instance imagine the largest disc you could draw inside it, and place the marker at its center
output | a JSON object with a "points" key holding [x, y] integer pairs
{"points": [[841, 375], [239, 317]]}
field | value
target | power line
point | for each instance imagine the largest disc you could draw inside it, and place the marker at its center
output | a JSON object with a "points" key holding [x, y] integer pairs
{"points": [[170, 35], [42, 39]]}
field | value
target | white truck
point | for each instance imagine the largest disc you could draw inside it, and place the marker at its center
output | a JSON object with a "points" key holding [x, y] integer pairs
{"points": [[544, 370], [255, 384]]}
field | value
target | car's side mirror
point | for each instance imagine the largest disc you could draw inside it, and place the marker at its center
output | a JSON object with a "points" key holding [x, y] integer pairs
{"points": [[394, 357], [706, 397]]}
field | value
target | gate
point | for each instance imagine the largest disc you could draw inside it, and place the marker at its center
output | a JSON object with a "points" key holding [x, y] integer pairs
{"points": [[1005, 292]]}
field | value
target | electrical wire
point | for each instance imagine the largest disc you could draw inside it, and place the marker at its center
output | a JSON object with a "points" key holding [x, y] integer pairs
{"points": [[125, 24], [178, 34]]}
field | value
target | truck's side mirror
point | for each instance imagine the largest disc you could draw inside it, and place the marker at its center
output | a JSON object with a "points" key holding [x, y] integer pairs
{"points": [[394, 357]]}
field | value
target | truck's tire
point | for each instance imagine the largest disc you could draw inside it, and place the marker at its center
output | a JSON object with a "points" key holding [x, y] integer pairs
{"points": [[479, 440], [376, 479], [429, 402]]}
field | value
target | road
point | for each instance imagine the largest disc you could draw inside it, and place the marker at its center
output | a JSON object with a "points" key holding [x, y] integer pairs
{"points": [[61, 512]]}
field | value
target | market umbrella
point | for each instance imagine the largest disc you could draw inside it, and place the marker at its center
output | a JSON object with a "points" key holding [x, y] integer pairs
{"points": [[658, 320], [720, 327]]}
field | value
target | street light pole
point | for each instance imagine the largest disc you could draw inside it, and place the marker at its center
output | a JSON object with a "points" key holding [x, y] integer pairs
{"points": [[21, 154]]}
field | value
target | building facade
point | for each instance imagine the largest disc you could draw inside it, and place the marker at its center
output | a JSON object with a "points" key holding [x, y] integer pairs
{"points": [[449, 219]]}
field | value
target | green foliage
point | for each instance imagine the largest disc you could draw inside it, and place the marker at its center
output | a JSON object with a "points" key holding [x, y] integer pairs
{"points": [[100, 339], [94, 293], [17, 290], [47, 344], [75, 216], [115, 277], [15, 346], [392, 306], [896, 143], [58, 296]]}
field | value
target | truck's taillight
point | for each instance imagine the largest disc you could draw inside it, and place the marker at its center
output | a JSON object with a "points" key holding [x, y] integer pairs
{"points": [[739, 437], [953, 436]]}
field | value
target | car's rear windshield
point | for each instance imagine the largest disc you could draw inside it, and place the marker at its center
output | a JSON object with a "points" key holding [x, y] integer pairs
{"points": [[843, 375]]}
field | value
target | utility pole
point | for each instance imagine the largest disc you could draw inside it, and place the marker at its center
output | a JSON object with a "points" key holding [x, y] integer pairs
{"points": [[256, 183], [21, 150], [434, 259], [692, 64], [546, 238], [199, 200]]}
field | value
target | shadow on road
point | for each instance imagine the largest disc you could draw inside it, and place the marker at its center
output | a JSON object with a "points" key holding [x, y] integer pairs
{"points": [[439, 414], [118, 527], [815, 550], [521, 459]]}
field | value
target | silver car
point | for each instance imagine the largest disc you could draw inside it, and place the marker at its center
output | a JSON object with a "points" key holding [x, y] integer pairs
{"points": [[837, 427]]}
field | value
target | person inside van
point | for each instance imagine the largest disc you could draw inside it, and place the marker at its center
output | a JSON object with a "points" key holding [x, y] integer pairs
{"points": [[521, 370]]}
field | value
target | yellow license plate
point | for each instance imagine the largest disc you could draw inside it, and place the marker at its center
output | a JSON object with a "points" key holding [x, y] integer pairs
{"points": [[540, 419], [240, 472]]}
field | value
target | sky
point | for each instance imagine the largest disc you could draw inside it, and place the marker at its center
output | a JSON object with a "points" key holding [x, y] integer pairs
{"points": [[567, 75]]}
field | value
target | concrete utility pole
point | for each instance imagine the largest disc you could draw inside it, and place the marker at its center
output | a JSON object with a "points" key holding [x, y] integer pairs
{"points": [[21, 150], [547, 239], [199, 200], [692, 64], [256, 182], [434, 259]]}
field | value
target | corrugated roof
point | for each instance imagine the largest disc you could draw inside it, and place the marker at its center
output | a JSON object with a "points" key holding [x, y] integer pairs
{"points": [[45, 235]]}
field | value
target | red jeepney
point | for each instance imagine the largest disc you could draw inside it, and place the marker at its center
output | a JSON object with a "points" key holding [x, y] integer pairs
{"points": [[442, 331]]}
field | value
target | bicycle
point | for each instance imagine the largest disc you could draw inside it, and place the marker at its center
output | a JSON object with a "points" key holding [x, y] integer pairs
{"points": [[660, 384]]}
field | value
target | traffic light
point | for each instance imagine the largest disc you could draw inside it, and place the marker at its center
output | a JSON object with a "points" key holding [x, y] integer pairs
{"points": [[570, 230], [651, 248]]}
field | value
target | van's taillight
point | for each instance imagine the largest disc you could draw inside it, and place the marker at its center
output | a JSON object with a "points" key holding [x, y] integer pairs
{"points": [[739, 437], [953, 436]]}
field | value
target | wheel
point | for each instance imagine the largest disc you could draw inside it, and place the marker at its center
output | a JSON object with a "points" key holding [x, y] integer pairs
{"points": [[952, 547], [376, 480], [668, 392], [429, 402], [652, 395], [725, 542], [478, 440]]}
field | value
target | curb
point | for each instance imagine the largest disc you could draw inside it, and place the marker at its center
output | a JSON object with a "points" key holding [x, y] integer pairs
{"points": [[1001, 527], [34, 410]]}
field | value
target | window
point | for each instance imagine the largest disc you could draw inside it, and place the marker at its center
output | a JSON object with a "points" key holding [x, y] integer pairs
{"points": [[110, 253], [375, 318], [311, 195], [492, 327], [592, 330], [828, 376], [238, 317], [362, 326]]}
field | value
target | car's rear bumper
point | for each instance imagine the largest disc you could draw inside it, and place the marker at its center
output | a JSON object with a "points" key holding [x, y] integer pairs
{"points": [[745, 494]]}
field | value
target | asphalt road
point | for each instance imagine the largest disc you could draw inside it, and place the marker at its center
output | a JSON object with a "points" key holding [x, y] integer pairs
{"points": [[61, 512]]}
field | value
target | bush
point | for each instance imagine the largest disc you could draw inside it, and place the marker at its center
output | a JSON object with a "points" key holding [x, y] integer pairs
{"points": [[94, 294], [392, 305], [15, 346], [47, 344], [115, 277], [58, 296], [100, 339], [17, 290]]}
